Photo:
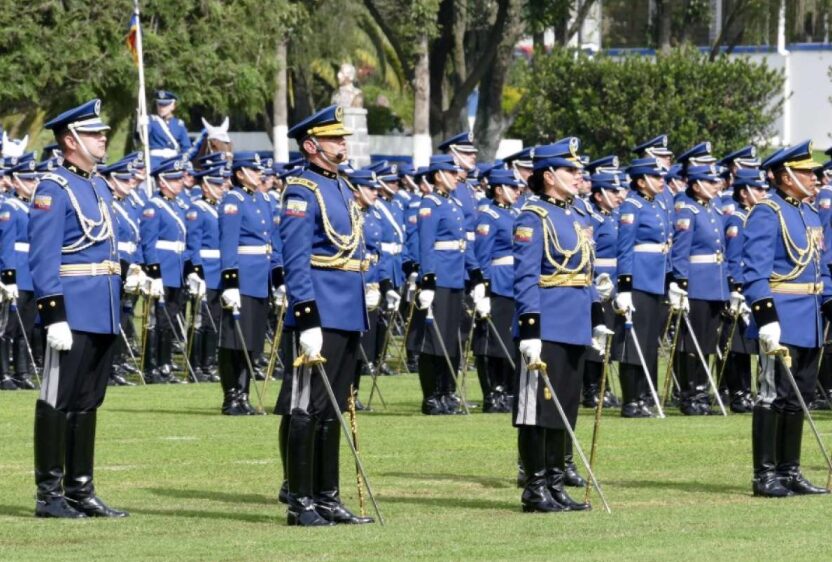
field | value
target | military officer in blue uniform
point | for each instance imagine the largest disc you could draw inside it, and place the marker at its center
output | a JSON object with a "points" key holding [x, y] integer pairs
{"points": [[324, 268], [823, 204], [410, 267], [607, 195], [119, 177], [750, 188], [557, 315], [786, 284], [14, 268], [642, 263], [699, 287], [744, 158], [442, 269], [657, 148], [168, 135], [163, 233], [73, 260], [203, 247], [245, 226], [494, 250]]}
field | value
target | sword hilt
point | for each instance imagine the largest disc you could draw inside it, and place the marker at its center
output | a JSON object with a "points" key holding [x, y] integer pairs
{"points": [[782, 352]]}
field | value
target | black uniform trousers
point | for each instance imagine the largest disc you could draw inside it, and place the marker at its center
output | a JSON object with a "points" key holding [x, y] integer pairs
{"points": [[76, 380]]}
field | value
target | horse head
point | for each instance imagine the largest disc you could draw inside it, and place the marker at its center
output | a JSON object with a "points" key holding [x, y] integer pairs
{"points": [[14, 148]]}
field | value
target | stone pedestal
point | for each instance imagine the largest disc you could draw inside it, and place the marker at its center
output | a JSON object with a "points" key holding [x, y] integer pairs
{"points": [[358, 144]]}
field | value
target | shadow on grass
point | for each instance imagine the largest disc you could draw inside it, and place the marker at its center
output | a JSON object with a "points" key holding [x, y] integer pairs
{"points": [[213, 412], [455, 502], [258, 518], [18, 510], [694, 487], [484, 481], [213, 495]]}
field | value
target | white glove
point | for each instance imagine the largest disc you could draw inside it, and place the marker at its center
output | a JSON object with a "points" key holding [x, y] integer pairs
{"points": [[623, 303], [279, 296], [425, 299], [231, 299], [59, 336], [196, 286], [678, 298], [156, 288], [600, 333], [483, 307], [603, 284], [373, 297], [478, 292], [531, 350], [392, 299], [136, 278], [311, 341], [10, 292], [770, 336], [736, 300], [745, 312], [411, 279]]}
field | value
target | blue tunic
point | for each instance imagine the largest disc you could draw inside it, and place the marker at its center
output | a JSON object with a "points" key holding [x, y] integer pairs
{"points": [[322, 252], [245, 242], [203, 241], [128, 219], [605, 234], [163, 233], [698, 253], [14, 243], [494, 247], [643, 234], [58, 237], [442, 242]]}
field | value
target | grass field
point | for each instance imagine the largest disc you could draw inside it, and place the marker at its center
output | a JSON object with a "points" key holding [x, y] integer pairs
{"points": [[201, 486]]}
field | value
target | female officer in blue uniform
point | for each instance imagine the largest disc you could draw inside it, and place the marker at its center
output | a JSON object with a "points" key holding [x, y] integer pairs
{"points": [[493, 249], [442, 253], [73, 259], [324, 273], [366, 189], [415, 317], [642, 262], [786, 283], [556, 317], [163, 234], [607, 194], [700, 282], [14, 267], [245, 223], [749, 188], [203, 247]]}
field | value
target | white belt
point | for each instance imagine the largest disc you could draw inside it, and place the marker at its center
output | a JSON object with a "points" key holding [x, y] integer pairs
{"points": [[505, 260], [172, 245], [650, 248], [128, 247], [210, 253], [164, 152], [707, 258], [391, 248], [254, 250], [458, 245], [21, 246], [606, 262], [470, 236]]}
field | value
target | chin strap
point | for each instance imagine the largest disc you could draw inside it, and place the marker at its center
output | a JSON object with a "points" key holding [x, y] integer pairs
{"points": [[806, 192], [84, 150]]}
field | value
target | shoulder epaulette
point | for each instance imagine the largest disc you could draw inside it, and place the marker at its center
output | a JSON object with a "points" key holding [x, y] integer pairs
{"points": [[305, 182], [539, 211], [692, 208], [742, 215], [769, 203], [812, 206], [433, 198], [156, 201], [60, 180], [638, 204], [415, 204], [596, 216], [579, 210], [491, 212], [237, 195]]}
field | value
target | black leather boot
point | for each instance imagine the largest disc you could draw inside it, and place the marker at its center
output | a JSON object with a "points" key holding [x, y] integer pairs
{"points": [[208, 357], [282, 444], [630, 407], [50, 451], [22, 372], [300, 455], [536, 496], [570, 471], [80, 458], [591, 387], [764, 430], [6, 379], [165, 357], [243, 384], [325, 488], [557, 446], [228, 380], [151, 375], [431, 402], [790, 439]]}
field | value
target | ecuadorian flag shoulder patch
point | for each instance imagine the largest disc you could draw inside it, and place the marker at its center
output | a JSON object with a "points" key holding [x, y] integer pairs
{"points": [[42, 202], [523, 234]]}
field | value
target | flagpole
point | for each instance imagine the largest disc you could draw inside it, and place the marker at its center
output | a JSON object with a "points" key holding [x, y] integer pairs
{"points": [[143, 118]]}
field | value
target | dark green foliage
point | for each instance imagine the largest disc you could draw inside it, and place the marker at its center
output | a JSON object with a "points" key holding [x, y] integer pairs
{"points": [[613, 104]]}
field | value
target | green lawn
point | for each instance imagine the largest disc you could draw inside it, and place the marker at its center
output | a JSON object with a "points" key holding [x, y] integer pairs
{"points": [[202, 487]]}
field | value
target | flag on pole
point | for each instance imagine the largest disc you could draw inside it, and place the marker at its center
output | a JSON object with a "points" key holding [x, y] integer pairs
{"points": [[132, 37]]}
